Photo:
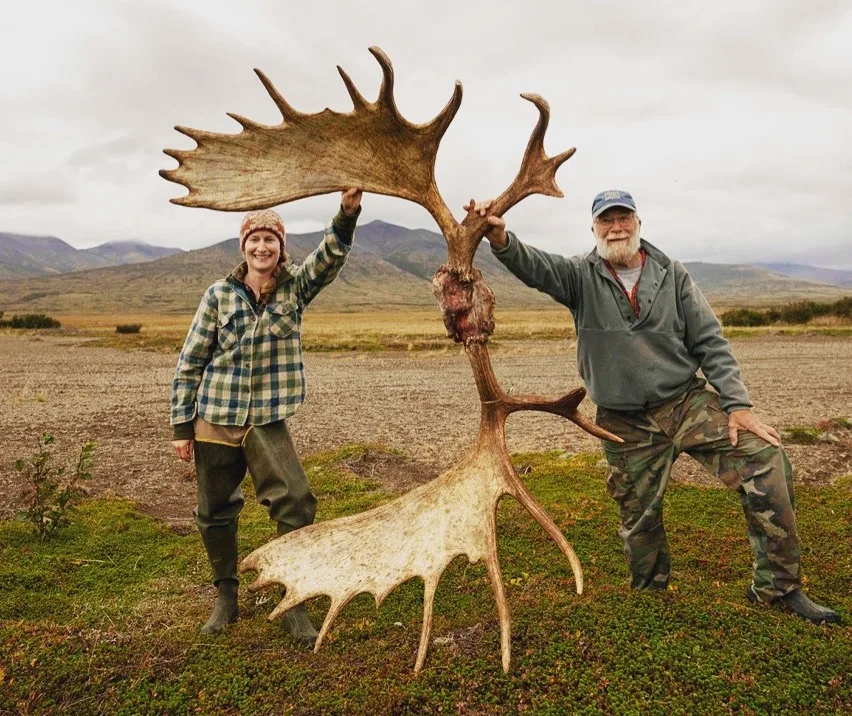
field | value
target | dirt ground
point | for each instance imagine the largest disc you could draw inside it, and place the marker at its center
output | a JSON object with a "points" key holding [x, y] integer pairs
{"points": [[423, 404]]}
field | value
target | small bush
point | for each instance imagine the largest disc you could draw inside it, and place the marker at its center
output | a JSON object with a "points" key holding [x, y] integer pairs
{"points": [[842, 307], [744, 317], [33, 320], [798, 312], [128, 328], [53, 498]]}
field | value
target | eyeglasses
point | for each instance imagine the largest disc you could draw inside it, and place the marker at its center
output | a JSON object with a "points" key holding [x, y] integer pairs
{"points": [[623, 219]]}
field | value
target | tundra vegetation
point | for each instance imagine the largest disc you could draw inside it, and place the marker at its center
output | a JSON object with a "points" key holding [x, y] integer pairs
{"points": [[52, 490], [792, 314], [29, 320], [104, 617]]}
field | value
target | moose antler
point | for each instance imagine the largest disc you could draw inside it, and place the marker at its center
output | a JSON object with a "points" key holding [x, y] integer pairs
{"points": [[311, 154], [419, 533]]}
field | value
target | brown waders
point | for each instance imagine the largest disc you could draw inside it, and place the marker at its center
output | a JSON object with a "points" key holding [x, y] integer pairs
{"points": [[639, 471], [222, 455]]}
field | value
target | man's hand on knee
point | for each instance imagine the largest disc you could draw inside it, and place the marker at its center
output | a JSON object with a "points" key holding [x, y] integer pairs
{"points": [[748, 421]]}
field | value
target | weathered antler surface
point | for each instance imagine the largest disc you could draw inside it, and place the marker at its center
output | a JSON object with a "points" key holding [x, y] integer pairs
{"points": [[419, 533], [311, 154]]}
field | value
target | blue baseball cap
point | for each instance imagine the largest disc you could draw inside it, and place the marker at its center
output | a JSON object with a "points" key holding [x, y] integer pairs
{"points": [[614, 197]]}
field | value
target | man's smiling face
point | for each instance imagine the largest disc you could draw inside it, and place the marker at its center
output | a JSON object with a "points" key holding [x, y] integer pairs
{"points": [[616, 233]]}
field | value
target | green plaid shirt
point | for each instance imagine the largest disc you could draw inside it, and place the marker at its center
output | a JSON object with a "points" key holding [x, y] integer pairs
{"points": [[241, 362]]}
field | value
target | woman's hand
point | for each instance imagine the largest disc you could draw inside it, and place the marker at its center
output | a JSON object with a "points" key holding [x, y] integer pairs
{"points": [[350, 201], [496, 233], [184, 449]]}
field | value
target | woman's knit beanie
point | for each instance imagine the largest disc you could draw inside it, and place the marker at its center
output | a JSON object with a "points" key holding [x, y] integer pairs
{"points": [[263, 219]]}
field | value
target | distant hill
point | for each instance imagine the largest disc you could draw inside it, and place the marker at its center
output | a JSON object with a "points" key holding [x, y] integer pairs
{"points": [[121, 253], [23, 256], [734, 285], [390, 267], [836, 277]]}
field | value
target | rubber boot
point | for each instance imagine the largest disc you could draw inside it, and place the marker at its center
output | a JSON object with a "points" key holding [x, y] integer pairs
{"points": [[225, 610], [298, 623], [797, 603]]}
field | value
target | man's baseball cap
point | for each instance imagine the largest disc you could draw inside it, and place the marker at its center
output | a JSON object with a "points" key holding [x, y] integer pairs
{"points": [[614, 197]]}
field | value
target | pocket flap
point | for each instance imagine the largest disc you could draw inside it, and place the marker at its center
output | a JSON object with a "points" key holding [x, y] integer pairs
{"points": [[283, 318], [225, 318]]}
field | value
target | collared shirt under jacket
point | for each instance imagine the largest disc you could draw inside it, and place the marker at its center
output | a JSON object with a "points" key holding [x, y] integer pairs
{"points": [[631, 362]]}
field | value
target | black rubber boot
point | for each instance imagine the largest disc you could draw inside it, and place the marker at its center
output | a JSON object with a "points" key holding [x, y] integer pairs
{"points": [[298, 623], [225, 610], [797, 603]]}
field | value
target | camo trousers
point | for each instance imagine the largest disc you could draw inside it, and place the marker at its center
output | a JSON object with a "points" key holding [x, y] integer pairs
{"points": [[639, 471]]}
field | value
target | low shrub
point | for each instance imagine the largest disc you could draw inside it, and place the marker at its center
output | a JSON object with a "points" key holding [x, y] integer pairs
{"points": [[803, 311], [52, 497], [128, 328], [842, 307], [32, 320], [773, 315], [744, 317]]}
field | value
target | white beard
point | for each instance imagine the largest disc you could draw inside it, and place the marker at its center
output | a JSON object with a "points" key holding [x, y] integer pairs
{"points": [[621, 252]]}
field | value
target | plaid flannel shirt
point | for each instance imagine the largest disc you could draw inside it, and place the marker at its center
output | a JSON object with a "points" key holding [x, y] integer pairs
{"points": [[243, 365]]}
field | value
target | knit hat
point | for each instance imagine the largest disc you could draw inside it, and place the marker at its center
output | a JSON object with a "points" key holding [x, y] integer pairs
{"points": [[263, 219]]}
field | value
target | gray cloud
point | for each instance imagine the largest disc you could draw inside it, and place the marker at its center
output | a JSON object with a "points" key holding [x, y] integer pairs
{"points": [[725, 120]]}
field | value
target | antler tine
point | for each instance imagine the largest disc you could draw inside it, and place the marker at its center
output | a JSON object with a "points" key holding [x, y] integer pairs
{"points": [[535, 148], [537, 175], [287, 112], [430, 585], [386, 90], [525, 497], [245, 122], [357, 98], [441, 123], [566, 407]]}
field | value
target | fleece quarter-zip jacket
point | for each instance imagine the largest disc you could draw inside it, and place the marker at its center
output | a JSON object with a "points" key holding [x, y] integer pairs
{"points": [[631, 362]]}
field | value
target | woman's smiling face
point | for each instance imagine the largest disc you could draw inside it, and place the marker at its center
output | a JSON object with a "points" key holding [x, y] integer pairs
{"points": [[262, 250]]}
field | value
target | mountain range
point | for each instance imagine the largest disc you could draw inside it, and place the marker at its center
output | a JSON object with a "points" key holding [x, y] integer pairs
{"points": [[390, 267], [836, 277], [23, 256]]}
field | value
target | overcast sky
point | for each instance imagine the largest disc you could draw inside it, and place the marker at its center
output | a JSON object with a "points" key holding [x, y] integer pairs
{"points": [[730, 122]]}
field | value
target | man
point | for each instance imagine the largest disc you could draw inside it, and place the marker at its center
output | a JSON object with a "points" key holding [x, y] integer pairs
{"points": [[643, 330]]}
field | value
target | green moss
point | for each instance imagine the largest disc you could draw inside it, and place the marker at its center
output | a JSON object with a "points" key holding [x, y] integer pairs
{"points": [[105, 618], [802, 436]]}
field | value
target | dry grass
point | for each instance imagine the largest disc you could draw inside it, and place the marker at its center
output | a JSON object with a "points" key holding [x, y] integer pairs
{"points": [[388, 330], [367, 330]]}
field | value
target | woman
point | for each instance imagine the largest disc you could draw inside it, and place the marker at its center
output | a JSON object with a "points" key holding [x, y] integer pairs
{"points": [[238, 378]]}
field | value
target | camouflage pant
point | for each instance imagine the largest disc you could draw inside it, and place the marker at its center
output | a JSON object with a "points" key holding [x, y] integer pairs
{"points": [[639, 471]]}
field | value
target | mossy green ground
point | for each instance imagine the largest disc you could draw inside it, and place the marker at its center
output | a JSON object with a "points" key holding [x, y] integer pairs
{"points": [[104, 617]]}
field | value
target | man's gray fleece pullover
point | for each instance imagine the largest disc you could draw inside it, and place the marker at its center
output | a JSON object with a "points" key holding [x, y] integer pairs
{"points": [[629, 362]]}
